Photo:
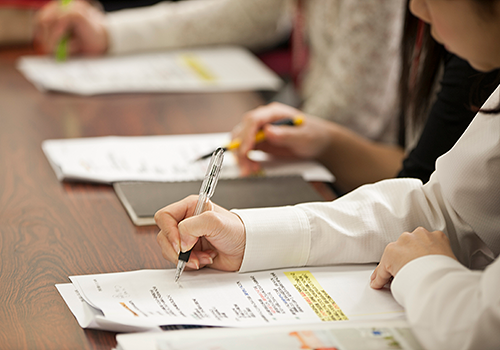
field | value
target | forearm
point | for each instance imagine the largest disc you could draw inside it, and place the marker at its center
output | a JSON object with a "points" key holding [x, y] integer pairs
{"points": [[449, 306], [355, 228], [355, 160], [253, 24]]}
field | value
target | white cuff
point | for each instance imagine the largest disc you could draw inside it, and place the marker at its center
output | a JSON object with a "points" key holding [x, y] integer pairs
{"points": [[275, 238], [420, 273], [121, 37]]}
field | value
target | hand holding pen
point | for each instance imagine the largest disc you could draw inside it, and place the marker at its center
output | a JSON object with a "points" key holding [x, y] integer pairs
{"points": [[259, 136], [206, 192], [80, 22], [309, 137], [208, 234], [61, 53]]}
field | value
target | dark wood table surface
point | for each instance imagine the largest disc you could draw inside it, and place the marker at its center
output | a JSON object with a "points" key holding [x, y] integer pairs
{"points": [[50, 230]]}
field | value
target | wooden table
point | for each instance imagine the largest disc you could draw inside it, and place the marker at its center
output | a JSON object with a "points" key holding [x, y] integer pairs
{"points": [[51, 230]]}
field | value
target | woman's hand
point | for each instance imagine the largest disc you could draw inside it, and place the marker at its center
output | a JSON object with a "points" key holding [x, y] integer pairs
{"points": [[307, 140], [408, 247], [80, 20], [218, 236]]}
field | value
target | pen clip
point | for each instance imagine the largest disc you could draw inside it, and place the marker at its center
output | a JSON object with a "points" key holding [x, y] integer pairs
{"points": [[210, 181], [206, 191]]}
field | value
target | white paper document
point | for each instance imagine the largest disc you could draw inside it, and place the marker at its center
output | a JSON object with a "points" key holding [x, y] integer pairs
{"points": [[148, 299], [374, 335], [168, 158], [193, 70]]}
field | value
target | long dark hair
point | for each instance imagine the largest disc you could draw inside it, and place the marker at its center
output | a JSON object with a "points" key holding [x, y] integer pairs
{"points": [[421, 60]]}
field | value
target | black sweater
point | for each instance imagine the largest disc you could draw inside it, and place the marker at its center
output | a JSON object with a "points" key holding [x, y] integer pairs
{"points": [[461, 86]]}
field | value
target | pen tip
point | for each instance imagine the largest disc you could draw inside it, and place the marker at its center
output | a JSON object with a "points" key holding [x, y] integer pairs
{"points": [[208, 155], [200, 158]]}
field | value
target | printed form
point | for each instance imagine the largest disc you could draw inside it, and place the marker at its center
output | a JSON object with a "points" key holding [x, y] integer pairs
{"points": [[147, 299]]}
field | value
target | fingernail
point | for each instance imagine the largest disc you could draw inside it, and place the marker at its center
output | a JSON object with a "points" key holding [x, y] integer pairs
{"points": [[184, 246], [206, 260], [372, 277], [212, 255], [176, 247], [193, 265]]}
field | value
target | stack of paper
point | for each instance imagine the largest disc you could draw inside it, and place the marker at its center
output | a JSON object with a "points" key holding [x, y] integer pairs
{"points": [[159, 158], [195, 70], [149, 299]]}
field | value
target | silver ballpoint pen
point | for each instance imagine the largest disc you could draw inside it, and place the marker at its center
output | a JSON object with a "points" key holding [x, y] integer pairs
{"points": [[206, 192]]}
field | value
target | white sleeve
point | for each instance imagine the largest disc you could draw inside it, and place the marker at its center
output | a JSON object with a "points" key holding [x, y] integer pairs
{"points": [[352, 229], [253, 24], [448, 305], [462, 199]]}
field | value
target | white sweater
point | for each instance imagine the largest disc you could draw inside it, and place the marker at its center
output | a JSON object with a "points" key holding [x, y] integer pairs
{"points": [[354, 48]]}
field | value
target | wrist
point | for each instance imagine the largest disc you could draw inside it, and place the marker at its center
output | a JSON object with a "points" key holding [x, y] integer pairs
{"points": [[105, 38], [332, 133]]}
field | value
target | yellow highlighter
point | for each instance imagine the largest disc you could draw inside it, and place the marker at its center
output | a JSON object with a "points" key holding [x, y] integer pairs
{"points": [[62, 47], [260, 136]]}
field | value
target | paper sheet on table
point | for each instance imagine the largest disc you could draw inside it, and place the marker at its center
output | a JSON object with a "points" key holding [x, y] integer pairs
{"points": [[158, 158], [374, 335], [193, 70], [147, 299]]}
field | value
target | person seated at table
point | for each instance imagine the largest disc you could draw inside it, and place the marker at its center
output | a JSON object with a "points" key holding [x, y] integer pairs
{"points": [[448, 305], [340, 49], [356, 160]]}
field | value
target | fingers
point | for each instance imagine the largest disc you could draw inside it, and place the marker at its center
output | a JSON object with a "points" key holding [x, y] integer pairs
{"points": [[248, 167], [48, 27], [167, 220], [89, 30], [216, 237], [307, 141], [280, 136], [380, 277], [208, 224], [254, 120], [408, 247], [199, 259], [204, 258], [383, 273], [279, 140], [80, 20]]}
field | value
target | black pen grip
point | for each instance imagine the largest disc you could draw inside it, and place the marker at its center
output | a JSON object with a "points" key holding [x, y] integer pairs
{"points": [[184, 256], [286, 121]]}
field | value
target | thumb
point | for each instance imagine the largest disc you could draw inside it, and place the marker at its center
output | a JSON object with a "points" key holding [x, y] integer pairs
{"points": [[380, 277], [193, 228]]}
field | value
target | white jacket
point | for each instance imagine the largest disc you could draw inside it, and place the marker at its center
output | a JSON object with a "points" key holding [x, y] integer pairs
{"points": [[448, 305]]}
